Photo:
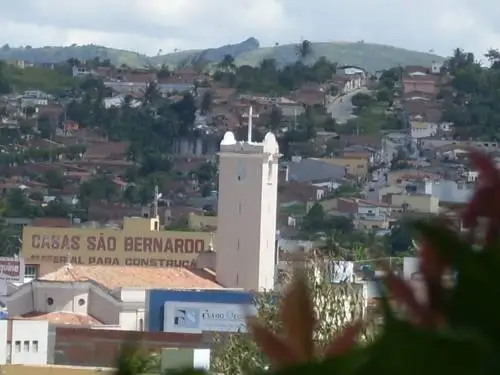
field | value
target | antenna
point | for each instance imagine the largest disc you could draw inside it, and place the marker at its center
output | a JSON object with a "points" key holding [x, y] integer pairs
{"points": [[250, 123], [155, 202], [68, 265]]}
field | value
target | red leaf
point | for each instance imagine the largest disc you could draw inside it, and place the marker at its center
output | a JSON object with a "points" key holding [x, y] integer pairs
{"points": [[403, 293], [484, 165], [431, 264], [344, 341]]}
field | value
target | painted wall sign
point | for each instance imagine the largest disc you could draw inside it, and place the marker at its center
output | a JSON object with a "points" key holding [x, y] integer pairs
{"points": [[12, 269], [113, 247]]}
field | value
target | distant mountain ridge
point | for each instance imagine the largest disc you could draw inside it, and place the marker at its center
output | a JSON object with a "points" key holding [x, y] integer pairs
{"points": [[371, 57]]}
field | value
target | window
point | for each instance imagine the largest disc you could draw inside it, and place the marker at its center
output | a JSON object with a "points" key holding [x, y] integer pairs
{"points": [[156, 226], [270, 172], [26, 346], [240, 171], [31, 271], [50, 301], [141, 324], [18, 346], [9, 351], [34, 346]]}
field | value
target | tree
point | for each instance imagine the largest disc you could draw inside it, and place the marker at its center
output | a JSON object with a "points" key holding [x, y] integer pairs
{"points": [[5, 79], [362, 100], [18, 205], [56, 208], [54, 179], [10, 239], [98, 188], [384, 95], [206, 173], [275, 118], [335, 305], [164, 71], [314, 219], [399, 160], [400, 239], [227, 64], [206, 102], [304, 50], [493, 56], [152, 95], [44, 127]]}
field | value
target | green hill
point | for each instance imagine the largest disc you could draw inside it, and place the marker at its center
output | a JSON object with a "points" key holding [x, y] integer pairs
{"points": [[54, 54], [371, 57]]}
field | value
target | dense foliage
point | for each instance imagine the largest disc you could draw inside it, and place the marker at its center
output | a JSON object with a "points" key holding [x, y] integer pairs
{"points": [[471, 99], [52, 81], [269, 78]]}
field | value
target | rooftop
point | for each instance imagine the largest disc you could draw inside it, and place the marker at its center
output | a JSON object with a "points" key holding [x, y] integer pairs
{"points": [[113, 277], [62, 318]]}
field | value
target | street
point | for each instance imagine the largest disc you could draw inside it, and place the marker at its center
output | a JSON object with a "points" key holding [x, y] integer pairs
{"points": [[391, 142], [341, 107]]}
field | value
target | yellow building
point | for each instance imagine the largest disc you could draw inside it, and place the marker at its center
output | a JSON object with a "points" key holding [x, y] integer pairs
{"points": [[354, 166], [139, 243], [415, 202]]}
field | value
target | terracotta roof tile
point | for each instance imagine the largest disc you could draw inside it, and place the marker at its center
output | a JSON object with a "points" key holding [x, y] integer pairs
{"points": [[61, 317], [113, 277]]}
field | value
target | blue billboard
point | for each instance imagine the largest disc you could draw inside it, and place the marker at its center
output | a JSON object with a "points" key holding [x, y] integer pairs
{"points": [[195, 311]]}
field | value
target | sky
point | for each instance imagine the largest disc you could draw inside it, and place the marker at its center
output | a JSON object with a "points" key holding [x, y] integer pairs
{"points": [[151, 26]]}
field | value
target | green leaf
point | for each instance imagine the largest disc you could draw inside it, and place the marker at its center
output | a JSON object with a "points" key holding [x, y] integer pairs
{"points": [[405, 349], [349, 363], [474, 300], [185, 371]]}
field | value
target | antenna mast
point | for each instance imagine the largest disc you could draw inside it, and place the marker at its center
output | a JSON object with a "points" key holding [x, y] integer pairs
{"points": [[155, 202], [250, 123]]}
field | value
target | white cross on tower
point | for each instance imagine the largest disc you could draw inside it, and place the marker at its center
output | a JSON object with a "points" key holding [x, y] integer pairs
{"points": [[250, 123]]}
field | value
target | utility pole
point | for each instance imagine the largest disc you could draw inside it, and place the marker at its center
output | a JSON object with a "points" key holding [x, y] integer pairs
{"points": [[155, 202]]}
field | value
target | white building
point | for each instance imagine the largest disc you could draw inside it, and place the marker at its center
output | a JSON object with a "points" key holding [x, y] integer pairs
{"points": [[25, 342], [423, 129], [118, 101], [247, 205], [101, 297]]}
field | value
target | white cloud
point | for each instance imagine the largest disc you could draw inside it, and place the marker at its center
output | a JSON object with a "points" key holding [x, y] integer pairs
{"points": [[150, 25]]}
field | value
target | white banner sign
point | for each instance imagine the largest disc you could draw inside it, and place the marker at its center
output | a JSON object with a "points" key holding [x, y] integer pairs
{"points": [[196, 317]]}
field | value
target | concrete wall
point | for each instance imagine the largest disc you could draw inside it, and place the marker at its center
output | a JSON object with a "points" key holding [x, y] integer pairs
{"points": [[88, 347]]}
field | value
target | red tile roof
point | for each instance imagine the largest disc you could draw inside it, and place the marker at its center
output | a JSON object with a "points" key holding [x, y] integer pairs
{"points": [[113, 277]]}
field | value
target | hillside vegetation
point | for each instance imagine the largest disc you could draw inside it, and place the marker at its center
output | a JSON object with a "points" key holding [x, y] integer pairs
{"points": [[371, 57]]}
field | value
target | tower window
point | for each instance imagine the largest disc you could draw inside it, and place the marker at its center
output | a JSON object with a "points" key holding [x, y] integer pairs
{"points": [[270, 172]]}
